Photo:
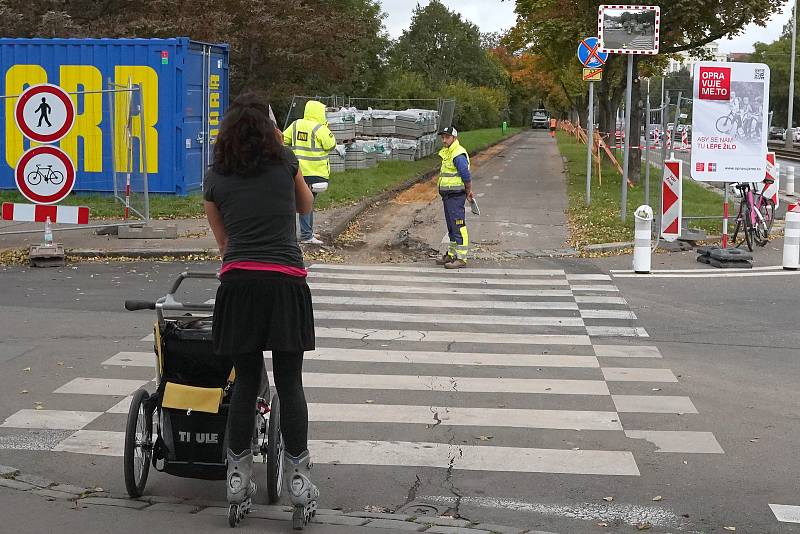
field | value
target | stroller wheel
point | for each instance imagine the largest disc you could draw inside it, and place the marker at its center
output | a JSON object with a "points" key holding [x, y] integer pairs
{"points": [[138, 443], [274, 452]]}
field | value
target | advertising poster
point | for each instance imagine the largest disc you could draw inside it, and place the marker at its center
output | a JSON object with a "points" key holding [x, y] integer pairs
{"points": [[730, 122]]}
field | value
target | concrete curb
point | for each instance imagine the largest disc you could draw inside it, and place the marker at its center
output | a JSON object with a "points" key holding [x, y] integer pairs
{"points": [[140, 252], [10, 478], [364, 204]]}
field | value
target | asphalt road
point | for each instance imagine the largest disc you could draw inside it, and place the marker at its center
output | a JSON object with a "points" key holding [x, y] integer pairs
{"points": [[524, 396]]}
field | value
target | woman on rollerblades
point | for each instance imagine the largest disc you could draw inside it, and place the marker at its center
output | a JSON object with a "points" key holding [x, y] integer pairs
{"points": [[252, 192]]}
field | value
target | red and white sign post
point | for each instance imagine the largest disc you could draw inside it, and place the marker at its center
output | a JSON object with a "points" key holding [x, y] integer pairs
{"points": [[671, 200], [45, 174]]}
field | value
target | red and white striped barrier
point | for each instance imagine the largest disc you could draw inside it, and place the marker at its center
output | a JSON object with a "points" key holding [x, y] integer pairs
{"points": [[773, 171], [671, 200], [40, 213], [791, 238], [684, 140]]}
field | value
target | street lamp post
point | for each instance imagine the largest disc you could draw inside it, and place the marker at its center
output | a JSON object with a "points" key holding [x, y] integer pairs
{"points": [[789, 129]]}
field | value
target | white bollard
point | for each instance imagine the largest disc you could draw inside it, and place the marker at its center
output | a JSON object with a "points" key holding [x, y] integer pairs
{"points": [[790, 180], [641, 239], [791, 238]]}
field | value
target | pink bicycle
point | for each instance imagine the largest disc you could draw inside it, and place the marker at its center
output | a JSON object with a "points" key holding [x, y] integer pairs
{"points": [[756, 215]]}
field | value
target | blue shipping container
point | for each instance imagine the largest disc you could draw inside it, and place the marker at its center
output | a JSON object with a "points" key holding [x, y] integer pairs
{"points": [[184, 94]]}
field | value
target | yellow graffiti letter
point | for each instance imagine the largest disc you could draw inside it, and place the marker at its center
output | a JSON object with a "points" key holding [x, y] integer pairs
{"points": [[76, 78]]}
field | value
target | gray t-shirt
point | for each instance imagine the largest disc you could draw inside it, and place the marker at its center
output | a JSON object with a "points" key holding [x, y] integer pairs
{"points": [[258, 213]]}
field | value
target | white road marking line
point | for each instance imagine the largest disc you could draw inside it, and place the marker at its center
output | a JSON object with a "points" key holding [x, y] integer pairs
{"points": [[598, 287], [653, 404], [101, 386], [711, 274], [50, 419], [608, 314], [122, 406], [592, 299], [148, 337], [449, 416], [637, 374], [511, 320], [626, 351], [786, 513], [588, 277], [415, 269], [443, 279], [474, 458], [440, 291], [450, 337], [679, 441], [449, 358], [617, 331], [700, 271], [132, 359], [431, 303], [99, 442], [455, 384]]}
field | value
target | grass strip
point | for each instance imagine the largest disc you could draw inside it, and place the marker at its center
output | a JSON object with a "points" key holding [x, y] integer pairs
{"points": [[600, 222]]}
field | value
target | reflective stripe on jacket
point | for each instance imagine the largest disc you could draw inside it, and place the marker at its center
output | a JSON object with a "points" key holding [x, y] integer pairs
{"points": [[311, 140], [449, 178]]}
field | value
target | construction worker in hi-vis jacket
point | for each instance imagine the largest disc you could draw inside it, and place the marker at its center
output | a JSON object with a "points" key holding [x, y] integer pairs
{"points": [[455, 188]]}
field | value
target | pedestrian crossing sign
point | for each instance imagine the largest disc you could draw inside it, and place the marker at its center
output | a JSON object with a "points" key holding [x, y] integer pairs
{"points": [[592, 75]]}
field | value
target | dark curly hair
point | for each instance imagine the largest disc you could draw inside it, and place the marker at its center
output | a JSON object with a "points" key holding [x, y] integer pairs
{"points": [[248, 139]]}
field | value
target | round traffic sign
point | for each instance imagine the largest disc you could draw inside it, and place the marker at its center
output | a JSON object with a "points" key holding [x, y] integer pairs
{"points": [[44, 113], [45, 175], [589, 53]]}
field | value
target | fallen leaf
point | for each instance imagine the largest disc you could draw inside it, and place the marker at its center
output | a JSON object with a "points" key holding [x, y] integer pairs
{"points": [[608, 499], [484, 438], [24, 391], [27, 369], [656, 389], [658, 498], [60, 363], [602, 524], [369, 401], [732, 529], [644, 526], [38, 407]]}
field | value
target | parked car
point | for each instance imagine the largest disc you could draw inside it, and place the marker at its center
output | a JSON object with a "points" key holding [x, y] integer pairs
{"points": [[777, 134], [795, 138]]}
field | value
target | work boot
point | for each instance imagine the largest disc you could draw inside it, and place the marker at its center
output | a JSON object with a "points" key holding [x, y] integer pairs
{"points": [[444, 260], [455, 264]]}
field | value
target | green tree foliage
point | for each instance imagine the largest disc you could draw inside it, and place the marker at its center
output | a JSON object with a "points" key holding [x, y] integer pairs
{"points": [[778, 56]]}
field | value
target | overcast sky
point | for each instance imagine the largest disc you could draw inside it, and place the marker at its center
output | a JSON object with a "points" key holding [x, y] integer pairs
{"points": [[494, 15]]}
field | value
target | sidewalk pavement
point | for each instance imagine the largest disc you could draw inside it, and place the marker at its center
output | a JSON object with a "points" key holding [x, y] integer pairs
{"points": [[194, 236]]}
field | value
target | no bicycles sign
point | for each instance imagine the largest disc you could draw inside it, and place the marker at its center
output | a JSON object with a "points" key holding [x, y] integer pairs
{"points": [[45, 175]]}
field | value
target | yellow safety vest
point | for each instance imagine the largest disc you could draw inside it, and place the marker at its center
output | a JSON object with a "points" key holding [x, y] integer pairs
{"points": [[449, 179], [311, 140]]}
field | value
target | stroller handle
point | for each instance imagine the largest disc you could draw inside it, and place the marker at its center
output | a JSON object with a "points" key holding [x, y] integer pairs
{"points": [[134, 305]]}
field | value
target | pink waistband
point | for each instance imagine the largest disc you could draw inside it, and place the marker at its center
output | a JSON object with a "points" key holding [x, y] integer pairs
{"points": [[261, 266]]}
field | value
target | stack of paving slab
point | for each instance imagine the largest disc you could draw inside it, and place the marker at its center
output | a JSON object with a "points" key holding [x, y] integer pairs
{"points": [[382, 135]]}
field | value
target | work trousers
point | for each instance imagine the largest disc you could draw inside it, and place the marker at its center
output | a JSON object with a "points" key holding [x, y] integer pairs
{"points": [[307, 220], [454, 215]]}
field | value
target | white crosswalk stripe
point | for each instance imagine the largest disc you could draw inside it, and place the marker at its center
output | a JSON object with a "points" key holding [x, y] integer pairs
{"points": [[525, 353]]}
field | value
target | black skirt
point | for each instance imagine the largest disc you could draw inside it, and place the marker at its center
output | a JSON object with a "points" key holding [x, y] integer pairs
{"points": [[262, 310]]}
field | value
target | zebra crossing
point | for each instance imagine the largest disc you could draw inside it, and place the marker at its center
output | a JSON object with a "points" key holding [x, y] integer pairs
{"points": [[421, 367]]}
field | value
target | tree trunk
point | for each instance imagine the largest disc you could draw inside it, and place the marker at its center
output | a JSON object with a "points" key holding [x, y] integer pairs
{"points": [[635, 155]]}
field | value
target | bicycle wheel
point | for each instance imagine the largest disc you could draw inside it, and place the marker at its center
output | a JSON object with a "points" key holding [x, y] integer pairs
{"points": [[748, 227], [34, 178], [739, 224], [724, 124], [274, 452], [764, 219], [56, 177], [138, 444]]}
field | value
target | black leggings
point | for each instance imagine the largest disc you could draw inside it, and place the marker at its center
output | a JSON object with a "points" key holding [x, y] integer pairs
{"points": [[287, 368]]}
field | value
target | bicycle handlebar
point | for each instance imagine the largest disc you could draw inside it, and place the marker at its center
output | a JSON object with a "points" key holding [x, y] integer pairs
{"points": [[135, 305]]}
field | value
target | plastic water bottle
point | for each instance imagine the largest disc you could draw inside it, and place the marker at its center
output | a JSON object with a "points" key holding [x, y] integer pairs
{"points": [[48, 232]]}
